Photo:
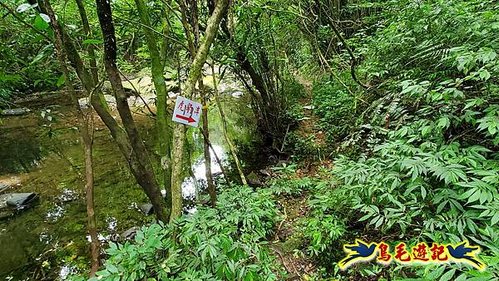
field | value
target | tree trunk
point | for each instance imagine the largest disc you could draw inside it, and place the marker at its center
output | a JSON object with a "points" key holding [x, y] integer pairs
{"points": [[226, 135], [179, 130], [84, 128], [206, 136], [163, 123], [207, 157], [142, 167], [87, 132], [88, 33]]}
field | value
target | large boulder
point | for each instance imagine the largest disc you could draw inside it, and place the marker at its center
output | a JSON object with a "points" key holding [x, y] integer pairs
{"points": [[254, 180], [11, 203]]}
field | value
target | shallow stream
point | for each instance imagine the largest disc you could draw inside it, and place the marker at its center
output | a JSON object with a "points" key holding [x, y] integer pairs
{"points": [[40, 152]]}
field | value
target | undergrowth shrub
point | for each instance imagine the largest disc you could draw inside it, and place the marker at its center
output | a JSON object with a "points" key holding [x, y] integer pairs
{"points": [[321, 228], [428, 136], [223, 243], [292, 187], [335, 107], [434, 175]]}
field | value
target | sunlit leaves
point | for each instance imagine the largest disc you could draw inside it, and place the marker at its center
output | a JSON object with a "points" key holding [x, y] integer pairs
{"points": [[490, 124]]}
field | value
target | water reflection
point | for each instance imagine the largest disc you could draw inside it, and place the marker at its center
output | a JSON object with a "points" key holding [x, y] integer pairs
{"points": [[19, 151], [193, 186]]}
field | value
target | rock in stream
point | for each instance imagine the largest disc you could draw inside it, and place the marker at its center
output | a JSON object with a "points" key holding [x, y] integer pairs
{"points": [[14, 111], [12, 202]]}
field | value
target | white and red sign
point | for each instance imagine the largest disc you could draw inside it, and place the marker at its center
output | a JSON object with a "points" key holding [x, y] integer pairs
{"points": [[187, 111]]}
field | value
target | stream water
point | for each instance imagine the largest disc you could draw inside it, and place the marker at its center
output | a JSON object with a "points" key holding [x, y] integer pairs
{"points": [[40, 152]]}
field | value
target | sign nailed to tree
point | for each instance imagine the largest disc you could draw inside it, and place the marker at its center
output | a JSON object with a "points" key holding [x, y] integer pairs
{"points": [[187, 111]]}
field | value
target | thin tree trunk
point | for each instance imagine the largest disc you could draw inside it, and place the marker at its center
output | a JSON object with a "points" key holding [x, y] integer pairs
{"points": [[143, 170], [187, 30], [87, 133], [84, 128], [88, 149], [179, 130], [206, 136], [88, 33], [353, 59], [226, 135], [163, 123], [207, 157]]}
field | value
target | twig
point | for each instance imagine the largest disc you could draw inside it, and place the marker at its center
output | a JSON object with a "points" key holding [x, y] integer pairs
{"points": [[353, 59], [284, 139]]}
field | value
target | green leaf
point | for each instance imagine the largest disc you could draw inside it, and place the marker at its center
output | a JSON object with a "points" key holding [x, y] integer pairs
{"points": [[448, 275], [379, 222], [484, 74], [40, 23], [474, 197], [423, 192], [495, 219], [461, 277], [111, 268], [434, 274], [61, 80], [468, 193], [443, 122]]}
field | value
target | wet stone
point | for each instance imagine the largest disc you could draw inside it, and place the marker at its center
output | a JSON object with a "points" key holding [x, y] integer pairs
{"points": [[17, 200], [21, 199], [14, 111], [146, 208], [237, 94], [129, 234]]}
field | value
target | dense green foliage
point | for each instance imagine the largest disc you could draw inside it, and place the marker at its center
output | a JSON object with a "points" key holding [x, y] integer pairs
{"points": [[426, 139], [26, 63], [225, 243], [335, 106]]}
